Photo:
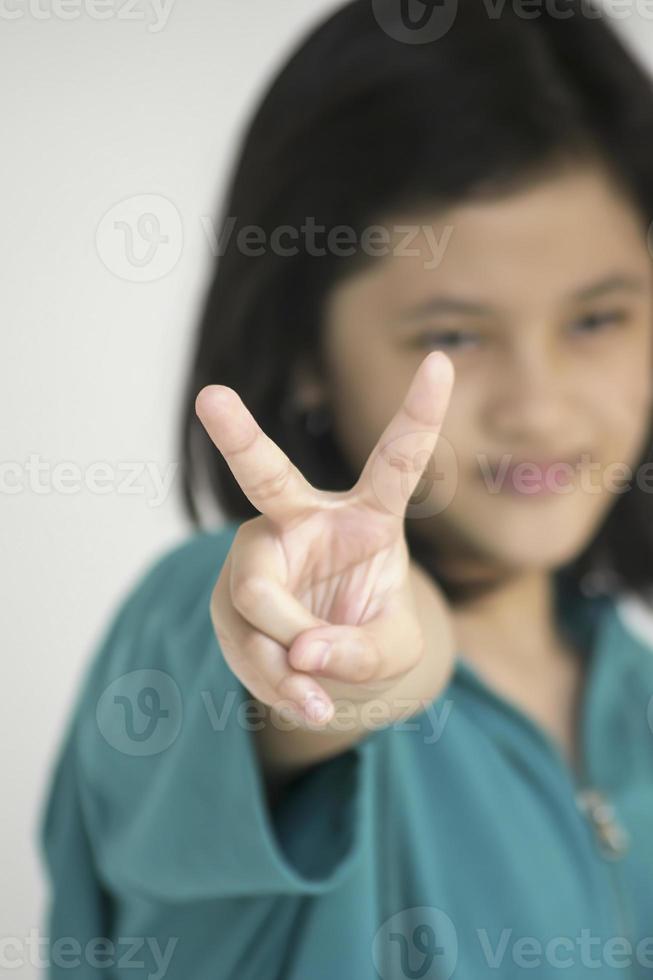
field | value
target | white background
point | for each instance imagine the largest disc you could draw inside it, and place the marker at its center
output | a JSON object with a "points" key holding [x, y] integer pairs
{"points": [[95, 112]]}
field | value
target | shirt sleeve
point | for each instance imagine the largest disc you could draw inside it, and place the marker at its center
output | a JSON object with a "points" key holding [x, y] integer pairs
{"points": [[158, 789], [78, 912]]}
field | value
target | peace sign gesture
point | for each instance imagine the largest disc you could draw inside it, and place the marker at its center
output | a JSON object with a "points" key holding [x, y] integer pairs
{"points": [[320, 583]]}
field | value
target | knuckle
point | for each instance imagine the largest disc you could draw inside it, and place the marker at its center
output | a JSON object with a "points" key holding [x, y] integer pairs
{"points": [[272, 486], [218, 616], [250, 680], [225, 640], [285, 688], [396, 456], [217, 594], [257, 647], [218, 588], [246, 593]]}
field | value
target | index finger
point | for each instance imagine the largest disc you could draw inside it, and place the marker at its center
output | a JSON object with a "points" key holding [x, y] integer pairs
{"points": [[270, 481], [404, 448]]}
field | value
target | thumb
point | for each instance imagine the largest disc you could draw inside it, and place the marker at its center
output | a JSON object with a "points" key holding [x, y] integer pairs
{"points": [[380, 650]]}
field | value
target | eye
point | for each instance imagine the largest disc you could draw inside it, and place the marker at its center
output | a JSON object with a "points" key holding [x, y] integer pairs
{"points": [[597, 322], [446, 339]]}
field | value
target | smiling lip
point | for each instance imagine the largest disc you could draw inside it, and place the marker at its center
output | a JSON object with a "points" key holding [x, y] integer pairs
{"points": [[531, 477]]}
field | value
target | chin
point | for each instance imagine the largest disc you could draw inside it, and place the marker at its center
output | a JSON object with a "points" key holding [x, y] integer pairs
{"points": [[529, 539], [539, 548]]}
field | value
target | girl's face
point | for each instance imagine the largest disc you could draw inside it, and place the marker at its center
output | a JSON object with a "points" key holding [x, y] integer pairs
{"points": [[544, 302]]}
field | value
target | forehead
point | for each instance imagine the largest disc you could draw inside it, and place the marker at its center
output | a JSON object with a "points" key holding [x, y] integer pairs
{"points": [[536, 245]]}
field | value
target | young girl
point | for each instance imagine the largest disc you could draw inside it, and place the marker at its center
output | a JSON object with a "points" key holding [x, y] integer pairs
{"points": [[388, 719]]}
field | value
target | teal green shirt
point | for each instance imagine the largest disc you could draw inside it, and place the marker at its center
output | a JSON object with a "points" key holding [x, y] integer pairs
{"points": [[457, 843]]}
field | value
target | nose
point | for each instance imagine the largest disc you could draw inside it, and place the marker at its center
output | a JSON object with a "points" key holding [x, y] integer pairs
{"points": [[529, 403]]}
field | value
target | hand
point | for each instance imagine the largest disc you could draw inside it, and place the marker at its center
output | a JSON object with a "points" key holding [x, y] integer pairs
{"points": [[320, 586]]}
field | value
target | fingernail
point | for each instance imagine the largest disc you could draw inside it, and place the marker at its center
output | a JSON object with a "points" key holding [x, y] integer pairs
{"points": [[316, 655], [316, 708]]}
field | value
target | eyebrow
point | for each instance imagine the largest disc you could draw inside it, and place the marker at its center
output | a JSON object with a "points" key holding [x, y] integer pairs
{"points": [[451, 304]]}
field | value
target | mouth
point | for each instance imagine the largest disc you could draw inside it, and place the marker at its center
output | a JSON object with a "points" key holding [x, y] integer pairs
{"points": [[531, 477]]}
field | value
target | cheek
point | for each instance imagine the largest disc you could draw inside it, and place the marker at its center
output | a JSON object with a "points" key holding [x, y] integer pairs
{"points": [[622, 406], [363, 406], [369, 384]]}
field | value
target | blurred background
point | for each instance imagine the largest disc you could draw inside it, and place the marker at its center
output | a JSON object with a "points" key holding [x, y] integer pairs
{"points": [[121, 119]]}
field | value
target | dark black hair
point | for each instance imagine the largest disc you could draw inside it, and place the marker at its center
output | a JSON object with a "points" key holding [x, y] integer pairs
{"points": [[358, 125]]}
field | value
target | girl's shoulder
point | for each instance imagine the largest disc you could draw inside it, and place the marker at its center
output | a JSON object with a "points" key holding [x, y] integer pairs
{"points": [[623, 656], [633, 639], [167, 581], [178, 580], [637, 618], [161, 626]]}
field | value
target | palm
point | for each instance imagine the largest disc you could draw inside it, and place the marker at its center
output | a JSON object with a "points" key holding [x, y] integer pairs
{"points": [[343, 565]]}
